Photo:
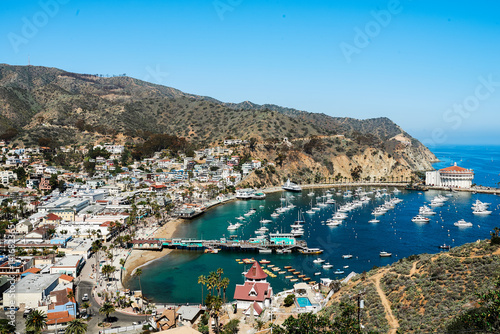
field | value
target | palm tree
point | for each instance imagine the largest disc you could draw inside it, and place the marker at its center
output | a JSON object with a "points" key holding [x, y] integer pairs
{"points": [[224, 284], [36, 321], [107, 270], [107, 308], [202, 280], [138, 274], [122, 265], [71, 296], [86, 306], [76, 326]]}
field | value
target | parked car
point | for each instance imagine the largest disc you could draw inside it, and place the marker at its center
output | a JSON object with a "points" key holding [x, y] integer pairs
{"points": [[85, 297]]}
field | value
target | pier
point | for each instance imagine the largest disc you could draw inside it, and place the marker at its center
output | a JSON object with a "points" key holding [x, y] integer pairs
{"points": [[223, 244]]}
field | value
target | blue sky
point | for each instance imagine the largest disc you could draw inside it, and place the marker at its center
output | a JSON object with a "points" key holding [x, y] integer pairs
{"points": [[430, 66]]}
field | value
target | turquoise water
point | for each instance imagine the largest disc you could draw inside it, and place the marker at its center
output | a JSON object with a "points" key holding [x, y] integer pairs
{"points": [[303, 301], [174, 277]]}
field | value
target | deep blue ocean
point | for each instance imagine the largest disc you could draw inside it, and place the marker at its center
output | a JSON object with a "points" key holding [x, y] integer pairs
{"points": [[174, 277]]}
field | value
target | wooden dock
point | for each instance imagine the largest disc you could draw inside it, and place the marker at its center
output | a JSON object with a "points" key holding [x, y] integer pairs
{"points": [[223, 244]]}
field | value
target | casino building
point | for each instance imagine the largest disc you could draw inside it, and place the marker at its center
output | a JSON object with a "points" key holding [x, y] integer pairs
{"points": [[450, 177]]}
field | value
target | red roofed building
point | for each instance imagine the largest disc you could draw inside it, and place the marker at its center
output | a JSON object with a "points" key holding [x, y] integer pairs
{"points": [[450, 177], [255, 293]]}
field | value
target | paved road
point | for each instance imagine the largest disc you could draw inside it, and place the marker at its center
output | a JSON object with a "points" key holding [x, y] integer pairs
{"points": [[85, 286]]}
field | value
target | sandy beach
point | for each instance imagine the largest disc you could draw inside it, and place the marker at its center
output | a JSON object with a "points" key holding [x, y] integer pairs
{"points": [[139, 258]]}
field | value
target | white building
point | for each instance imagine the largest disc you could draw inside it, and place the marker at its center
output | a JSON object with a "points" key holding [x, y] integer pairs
{"points": [[6, 176], [450, 177], [256, 293], [30, 290]]}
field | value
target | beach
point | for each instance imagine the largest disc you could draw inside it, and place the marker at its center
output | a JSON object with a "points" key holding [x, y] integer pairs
{"points": [[140, 258]]}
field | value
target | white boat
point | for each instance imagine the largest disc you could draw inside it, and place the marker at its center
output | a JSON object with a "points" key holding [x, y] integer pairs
{"points": [[385, 254], [345, 267], [317, 274], [463, 223], [374, 220], [481, 211], [233, 227], [327, 266], [265, 251], [426, 211], [275, 214], [265, 221], [420, 219], [318, 260], [240, 218], [290, 186], [338, 272], [297, 232], [347, 256], [333, 222]]}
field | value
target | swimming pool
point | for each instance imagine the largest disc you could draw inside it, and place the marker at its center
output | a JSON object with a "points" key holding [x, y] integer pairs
{"points": [[303, 302]]}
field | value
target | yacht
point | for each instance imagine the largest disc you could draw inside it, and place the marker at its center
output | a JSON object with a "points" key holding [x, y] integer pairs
{"points": [[374, 221], [481, 211], [420, 219], [318, 260], [233, 227], [265, 221], [385, 254], [327, 266], [333, 222], [297, 232], [463, 223], [426, 211], [290, 186]]}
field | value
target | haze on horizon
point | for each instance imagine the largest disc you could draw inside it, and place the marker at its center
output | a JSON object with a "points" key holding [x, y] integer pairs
{"points": [[430, 67]]}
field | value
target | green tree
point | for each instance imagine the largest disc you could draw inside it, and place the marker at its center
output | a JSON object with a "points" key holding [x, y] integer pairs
{"points": [[107, 270], [231, 327], [76, 326], [138, 274], [289, 300], [86, 306], [107, 308], [36, 321]]}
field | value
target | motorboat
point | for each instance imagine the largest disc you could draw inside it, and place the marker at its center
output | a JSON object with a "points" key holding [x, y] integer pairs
{"points": [[311, 251], [240, 218], [275, 214], [481, 211], [317, 273], [426, 211], [318, 260], [333, 222], [265, 221], [338, 272], [444, 246], [374, 220], [233, 227], [420, 219], [463, 223], [291, 186], [385, 254], [327, 266], [347, 256]]}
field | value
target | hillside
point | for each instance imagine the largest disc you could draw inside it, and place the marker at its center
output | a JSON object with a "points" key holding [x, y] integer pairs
{"points": [[424, 293], [69, 108]]}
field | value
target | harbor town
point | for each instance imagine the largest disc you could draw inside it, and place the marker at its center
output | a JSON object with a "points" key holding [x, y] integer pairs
{"points": [[75, 238]]}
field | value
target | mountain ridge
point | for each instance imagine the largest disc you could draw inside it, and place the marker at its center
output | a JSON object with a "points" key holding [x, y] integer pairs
{"points": [[71, 108]]}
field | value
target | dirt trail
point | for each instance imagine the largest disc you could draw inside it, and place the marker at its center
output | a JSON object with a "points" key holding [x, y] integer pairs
{"points": [[393, 322]]}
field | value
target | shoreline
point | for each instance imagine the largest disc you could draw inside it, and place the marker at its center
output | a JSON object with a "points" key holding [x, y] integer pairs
{"points": [[140, 258]]}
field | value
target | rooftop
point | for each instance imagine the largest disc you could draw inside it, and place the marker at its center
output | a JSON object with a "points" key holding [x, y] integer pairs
{"points": [[36, 283]]}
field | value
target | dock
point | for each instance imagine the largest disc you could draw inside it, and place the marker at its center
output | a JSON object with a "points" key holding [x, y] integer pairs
{"points": [[223, 244]]}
